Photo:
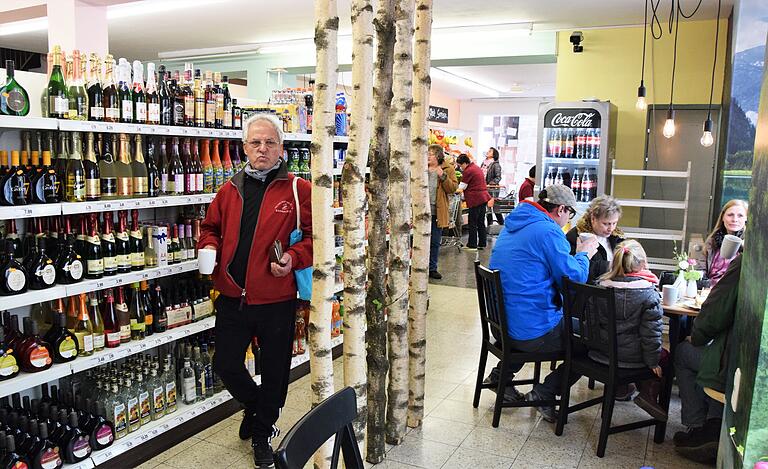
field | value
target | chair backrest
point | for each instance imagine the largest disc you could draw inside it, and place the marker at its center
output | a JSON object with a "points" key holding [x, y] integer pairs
{"points": [[493, 314], [594, 310], [332, 417]]}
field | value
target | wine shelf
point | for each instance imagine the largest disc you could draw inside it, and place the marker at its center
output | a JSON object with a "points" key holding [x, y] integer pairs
{"points": [[16, 122], [29, 211], [86, 286], [292, 137], [572, 161]]}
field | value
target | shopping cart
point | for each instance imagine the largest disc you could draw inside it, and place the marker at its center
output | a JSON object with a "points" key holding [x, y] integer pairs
{"points": [[502, 205], [454, 224]]}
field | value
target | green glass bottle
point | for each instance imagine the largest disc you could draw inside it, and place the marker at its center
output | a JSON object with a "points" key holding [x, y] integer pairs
{"points": [[75, 179], [78, 96], [58, 98], [14, 100]]}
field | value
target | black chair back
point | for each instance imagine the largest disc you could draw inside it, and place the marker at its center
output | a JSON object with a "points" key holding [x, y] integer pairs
{"points": [[594, 310], [493, 315], [332, 417]]}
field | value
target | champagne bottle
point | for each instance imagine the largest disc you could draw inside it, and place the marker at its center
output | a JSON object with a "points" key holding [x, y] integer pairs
{"points": [[75, 172], [123, 316], [58, 99], [153, 173], [108, 247], [163, 167], [123, 170], [83, 327], [46, 183], [124, 91], [110, 97], [92, 174], [150, 255], [175, 170], [165, 100], [122, 244], [137, 314], [110, 319], [107, 170], [138, 94], [14, 100], [98, 325], [136, 242], [94, 262], [78, 97], [95, 91], [153, 100], [139, 170]]}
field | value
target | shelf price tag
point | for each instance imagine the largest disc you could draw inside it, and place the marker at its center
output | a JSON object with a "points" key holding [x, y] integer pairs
{"points": [[25, 212], [166, 427]]}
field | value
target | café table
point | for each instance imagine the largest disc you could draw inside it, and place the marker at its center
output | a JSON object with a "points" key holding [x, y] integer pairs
{"points": [[675, 313]]}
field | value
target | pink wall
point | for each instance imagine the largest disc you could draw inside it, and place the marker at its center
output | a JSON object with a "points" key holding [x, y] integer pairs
{"points": [[443, 100]]}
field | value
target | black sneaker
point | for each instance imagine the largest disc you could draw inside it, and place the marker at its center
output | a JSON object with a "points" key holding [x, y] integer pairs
{"points": [[511, 394], [547, 412], [699, 444], [246, 426], [435, 275], [262, 453]]}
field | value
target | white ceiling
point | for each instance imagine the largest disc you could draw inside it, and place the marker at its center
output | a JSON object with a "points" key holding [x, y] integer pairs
{"points": [[516, 81]]}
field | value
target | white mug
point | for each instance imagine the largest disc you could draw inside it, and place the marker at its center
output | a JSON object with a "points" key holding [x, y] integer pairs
{"points": [[730, 246], [669, 295], [584, 237], [206, 261]]}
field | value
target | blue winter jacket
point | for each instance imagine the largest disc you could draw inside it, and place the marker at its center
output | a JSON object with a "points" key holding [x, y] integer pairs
{"points": [[532, 256]]}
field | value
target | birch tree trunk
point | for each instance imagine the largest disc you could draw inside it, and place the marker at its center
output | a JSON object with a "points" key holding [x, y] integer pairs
{"points": [[422, 216], [320, 358], [353, 193], [399, 223], [376, 337]]}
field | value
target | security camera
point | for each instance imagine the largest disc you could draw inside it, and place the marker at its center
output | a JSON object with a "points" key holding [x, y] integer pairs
{"points": [[576, 39]]}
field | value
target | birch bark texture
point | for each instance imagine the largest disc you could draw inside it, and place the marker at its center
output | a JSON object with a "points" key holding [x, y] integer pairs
{"points": [[353, 193], [422, 215], [320, 359], [399, 223], [376, 335]]}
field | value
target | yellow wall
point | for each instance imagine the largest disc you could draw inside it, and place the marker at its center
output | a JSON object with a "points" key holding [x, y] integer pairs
{"points": [[609, 69]]}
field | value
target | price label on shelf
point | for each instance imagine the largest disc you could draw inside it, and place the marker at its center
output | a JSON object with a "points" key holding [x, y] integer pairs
{"points": [[166, 427], [109, 127], [165, 201], [106, 205], [144, 437], [152, 202]]}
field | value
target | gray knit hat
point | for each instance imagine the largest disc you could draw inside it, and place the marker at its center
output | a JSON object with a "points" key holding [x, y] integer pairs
{"points": [[558, 194]]}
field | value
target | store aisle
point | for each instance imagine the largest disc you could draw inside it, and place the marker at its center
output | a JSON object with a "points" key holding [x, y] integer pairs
{"points": [[454, 434]]}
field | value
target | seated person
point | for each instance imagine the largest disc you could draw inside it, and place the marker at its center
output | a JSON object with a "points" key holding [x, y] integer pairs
{"points": [[533, 256], [703, 362], [600, 219], [732, 220], [638, 321], [526, 188]]}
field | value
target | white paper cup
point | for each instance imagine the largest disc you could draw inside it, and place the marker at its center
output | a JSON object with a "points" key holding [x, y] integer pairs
{"points": [[206, 261], [669, 295], [730, 246], [584, 237]]}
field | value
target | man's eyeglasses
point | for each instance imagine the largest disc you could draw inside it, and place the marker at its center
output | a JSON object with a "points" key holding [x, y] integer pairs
{"points": [[258, 143], [572, 212]]}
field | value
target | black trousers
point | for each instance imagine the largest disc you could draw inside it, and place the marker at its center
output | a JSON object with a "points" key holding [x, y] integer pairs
{"points": [[476, 226], [273, 325]]}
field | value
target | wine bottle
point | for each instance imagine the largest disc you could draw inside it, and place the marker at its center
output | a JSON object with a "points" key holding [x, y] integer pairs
{"points": [[78, 97], [123, 169], [199, 95], [82, 234], [14, 276], [107, 171], [164, 98], [218, 169], [46, 183], [237, 116], [64, 344], [75, 172], [137, 314], [226, 162], [191, 245], [12, 459], [101, 431], [174, 250], [210, 100], [197, 168], [83, 327], [62, 157], [177, 100], [34, 353], [188, 96], [110, 96], [124, 91], [91, 168], [150, 255], [149, 317], [122, 244], [110, 319], [182, 240], [35, 168], [139, 170], [14, 100], [9, 365], [41, 270], [58, 99], [96, 323], [227, 103], [188, 383], [108, 247], [153, 101], [94, 262], [153, 173], [69, 264], [138, 94], [12, 236], [95, 92], [159, 315], [219, 93], [175, 170], [136, 242], [190, 179], [75, 444], [123, 316], [14, 185], [205, 160]]}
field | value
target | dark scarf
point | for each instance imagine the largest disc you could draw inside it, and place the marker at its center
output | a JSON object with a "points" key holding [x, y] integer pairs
{"points": [[719, 236], [259, 174]]}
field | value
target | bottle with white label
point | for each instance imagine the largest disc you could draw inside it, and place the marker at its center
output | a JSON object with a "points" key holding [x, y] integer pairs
{"points": [[58, 98], [117, 410], [157, 387], [42, 273], [14, 275], [132, 405], [138, 94], [188, 382], [145, 398], [169, 378], [83, 327], [153, 100]]}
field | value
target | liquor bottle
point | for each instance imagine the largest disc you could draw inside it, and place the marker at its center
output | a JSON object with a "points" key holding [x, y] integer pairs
{"points": [[209, 92], [139, 170], [100, 430], [218, 169], [237, 161], [95, 92], [226, 162], [75, 444], [108, 247], [107, 170], [136, 242], [117, 411], [205, 160], [153, 173], [138, 95], [110, 96], [124, 91], [78, 97], [188, 96], [12, 274], [197, 168], [9, 365], [91, 168], [207, 366], [200, 379], [64, 344], [137, 314], [15, 185], [189, 388], [94, 262], [96, 322], [181, 254], [45, 183], [156, 388], [159, 315], [223, 103], [123, 170], [110, 319], [150, 255], [164, 98], [58, 99], [169, 377], [83, 327], [198, 92], [123, 244], [132, 404], [237, 120], [190, 179], [177, 100], [175, 170], [14, 100], [75, 188], [12, 236], [69, 264], [34, 353], [42, 273]]}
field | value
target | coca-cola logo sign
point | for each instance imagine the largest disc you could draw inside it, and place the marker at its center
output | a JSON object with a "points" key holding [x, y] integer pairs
{"points": [[572, 118]]}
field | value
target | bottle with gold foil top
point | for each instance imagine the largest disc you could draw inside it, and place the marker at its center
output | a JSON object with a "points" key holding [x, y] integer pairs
{"points": [[83, 327], [58, 100], [139, 170], [110, 97], [198, 91], [94, 89], [92, 174], [123, 170], [75, 185], [78, 97]]}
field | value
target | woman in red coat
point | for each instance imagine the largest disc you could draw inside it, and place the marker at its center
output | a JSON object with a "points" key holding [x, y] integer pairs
{"points": [[476, 196]]}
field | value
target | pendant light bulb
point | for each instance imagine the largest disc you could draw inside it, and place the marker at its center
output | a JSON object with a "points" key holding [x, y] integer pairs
{"points": [[706, 138], [669, 125], [641, 104]]}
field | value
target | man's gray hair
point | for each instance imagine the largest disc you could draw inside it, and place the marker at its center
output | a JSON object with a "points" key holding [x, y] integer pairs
{"points": [[269, 119]]}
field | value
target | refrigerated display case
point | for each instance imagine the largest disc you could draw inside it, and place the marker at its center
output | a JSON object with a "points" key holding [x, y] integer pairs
{"points": [[576, 140]]}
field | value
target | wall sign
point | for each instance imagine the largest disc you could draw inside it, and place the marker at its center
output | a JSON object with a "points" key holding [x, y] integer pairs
{"points": [[438, 114], [579, 118]]}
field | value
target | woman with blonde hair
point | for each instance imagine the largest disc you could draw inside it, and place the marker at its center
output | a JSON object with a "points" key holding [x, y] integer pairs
{"points": [[600, 219], [638, 322], [731, 221]]}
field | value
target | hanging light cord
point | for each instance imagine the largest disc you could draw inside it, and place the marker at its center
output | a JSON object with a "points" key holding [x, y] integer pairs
{"points": [[656, 28], [645, 35], [674, 53], [714, 62]]}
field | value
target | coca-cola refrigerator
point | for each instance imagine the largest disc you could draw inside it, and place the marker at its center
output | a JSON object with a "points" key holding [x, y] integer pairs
{"points": [[576, 141]]}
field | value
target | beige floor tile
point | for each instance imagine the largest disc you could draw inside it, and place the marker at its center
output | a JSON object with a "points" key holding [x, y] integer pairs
{"points": [[391, 464], [466, 458], [434, 387], [421, 453], [174, 450], [629, 444], [228, 437], [549, 451], [299, 399], [442, 431], [609, 461], [204, 454], [459, 411], [497, 441]]}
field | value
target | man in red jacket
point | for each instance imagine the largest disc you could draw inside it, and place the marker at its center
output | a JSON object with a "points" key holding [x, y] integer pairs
{"points": [[258, 295], [476, 196]]}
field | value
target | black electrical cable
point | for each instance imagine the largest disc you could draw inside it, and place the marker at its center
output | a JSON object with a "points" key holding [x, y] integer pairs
{"points": [[674, 57], [645, 36], [714, 62]]}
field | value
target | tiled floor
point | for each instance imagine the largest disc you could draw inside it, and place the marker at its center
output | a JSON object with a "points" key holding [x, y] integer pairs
{"points": [[454, 434]]}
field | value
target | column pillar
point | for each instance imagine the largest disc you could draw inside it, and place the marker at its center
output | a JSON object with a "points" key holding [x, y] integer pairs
{"points": [[74, 24]]}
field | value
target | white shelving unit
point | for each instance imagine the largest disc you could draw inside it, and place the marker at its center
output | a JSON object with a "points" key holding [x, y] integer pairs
{"points": [[36, 123]]}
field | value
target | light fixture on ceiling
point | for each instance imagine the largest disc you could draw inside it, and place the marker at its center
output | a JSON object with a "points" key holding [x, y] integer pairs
{"points": [[24, 26], [706, 137], [669, 124], [641, 105], [211, 52], [464, 82]]}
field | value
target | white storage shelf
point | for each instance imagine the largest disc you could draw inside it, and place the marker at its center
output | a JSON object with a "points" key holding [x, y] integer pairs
{"points": [[652, 233], [294, 137], [572, 161], [650, 203], [15, 122]]}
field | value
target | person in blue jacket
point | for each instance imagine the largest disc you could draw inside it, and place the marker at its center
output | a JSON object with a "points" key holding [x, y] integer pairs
{"points": [[532, 256]]}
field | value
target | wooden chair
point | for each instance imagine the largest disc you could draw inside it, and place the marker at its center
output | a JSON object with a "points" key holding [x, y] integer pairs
{"points": [[493, 319], [585, 303], [331, 418]]}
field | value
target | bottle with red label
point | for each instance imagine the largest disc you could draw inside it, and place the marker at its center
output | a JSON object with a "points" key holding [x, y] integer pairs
{"points": [[569, 144], [586, 187], [12, 459], [576, 183], [34, 353], [110, 319], [596, 144]]}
